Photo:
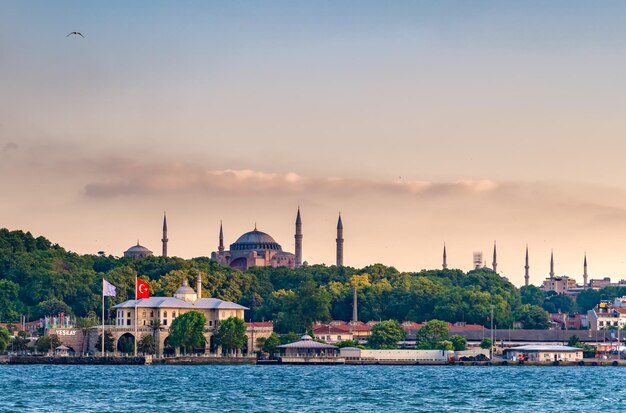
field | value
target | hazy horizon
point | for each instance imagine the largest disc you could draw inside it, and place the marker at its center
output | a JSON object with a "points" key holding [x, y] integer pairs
{"points": [[422, 122]]}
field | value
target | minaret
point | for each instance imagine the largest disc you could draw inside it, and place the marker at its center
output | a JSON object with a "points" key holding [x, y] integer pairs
{"points": [[551, 264], [445, 258], [339, 242], [199, 285], [220, 248], [526, 268], [298, 238], [354, 305], [495, 261], [585, 272], [164, 239]]}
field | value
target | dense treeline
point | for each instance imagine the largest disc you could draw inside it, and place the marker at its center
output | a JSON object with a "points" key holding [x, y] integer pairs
{"points": [[39, 278]]}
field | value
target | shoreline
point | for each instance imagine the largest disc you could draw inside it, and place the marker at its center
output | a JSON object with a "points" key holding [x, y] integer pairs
{"points": [[146, 361]]}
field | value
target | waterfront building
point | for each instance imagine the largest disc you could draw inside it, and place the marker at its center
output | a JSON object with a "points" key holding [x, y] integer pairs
{"points": [[156, 314], [608, 315], [332, 333], [310, 352], [544, 353]]}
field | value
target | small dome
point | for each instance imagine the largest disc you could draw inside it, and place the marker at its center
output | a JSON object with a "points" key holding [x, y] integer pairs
{"points": [[306, 337], [184, 289], [138, 248]]}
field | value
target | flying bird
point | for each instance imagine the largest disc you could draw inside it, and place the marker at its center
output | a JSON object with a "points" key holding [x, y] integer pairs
{"points": [[76, 34]]}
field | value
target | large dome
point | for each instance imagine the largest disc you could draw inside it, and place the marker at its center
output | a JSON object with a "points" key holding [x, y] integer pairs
{"points": [[255, 240]]}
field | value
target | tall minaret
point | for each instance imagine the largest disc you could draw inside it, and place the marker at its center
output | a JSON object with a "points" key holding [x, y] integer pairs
{"points": [[526, 268], [298, 237], [164, 239], [339, 242], [551, 264], [585, 272], [495, 261], [445, 258], [220, 248]]}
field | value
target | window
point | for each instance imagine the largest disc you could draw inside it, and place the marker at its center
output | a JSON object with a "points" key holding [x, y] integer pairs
{"points": [[339, 338], [210, 323], [151, 314], [173, 314], [128, 315], [144, 323], [164, 322], [164, 314], [143, 314], [127, 323]]}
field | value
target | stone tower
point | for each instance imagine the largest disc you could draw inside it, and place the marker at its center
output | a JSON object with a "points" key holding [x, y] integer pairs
{"points": [[526, 268], [199, 285], [551, 264], [339, 242], [164, 239], [445, 258], [355, 315], [495, 260], [220, 248], [298, 238], [585, 272]]}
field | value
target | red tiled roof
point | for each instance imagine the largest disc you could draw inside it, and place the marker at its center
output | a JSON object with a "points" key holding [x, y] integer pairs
{"points": [[261, 324], [329, 329]]}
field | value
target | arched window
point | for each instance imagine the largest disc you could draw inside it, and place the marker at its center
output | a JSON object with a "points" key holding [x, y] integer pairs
{"points": [[164, 314], [173, 314]]}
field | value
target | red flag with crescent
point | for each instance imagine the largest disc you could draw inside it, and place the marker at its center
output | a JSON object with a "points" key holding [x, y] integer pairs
{"points": [[143, 289]]}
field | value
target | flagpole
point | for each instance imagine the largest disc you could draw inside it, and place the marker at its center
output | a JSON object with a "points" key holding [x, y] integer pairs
{"points": [[102, 316], [135, 316]]}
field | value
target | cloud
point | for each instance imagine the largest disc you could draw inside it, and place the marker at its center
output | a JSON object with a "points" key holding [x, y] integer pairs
{"points": [[123, 178], [9, 146]]}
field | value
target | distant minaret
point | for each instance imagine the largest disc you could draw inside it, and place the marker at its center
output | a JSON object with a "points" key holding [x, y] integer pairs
{"points": [[164, 239], [354, 305], [199, 286], [220, 248], [495, 260], [551, 264], [339, 242], [585, 272], [298, 237], [526, 268], [445, 258]]}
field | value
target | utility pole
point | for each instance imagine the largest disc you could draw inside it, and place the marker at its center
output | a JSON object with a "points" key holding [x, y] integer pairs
{"points": [[492, 337]]}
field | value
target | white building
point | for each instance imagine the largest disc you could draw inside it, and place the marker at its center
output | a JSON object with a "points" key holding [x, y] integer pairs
{"points": [[544, 353], [607, 315]]}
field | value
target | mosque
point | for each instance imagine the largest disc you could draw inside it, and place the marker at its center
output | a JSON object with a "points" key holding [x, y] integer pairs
{"points": [[252, 249]]}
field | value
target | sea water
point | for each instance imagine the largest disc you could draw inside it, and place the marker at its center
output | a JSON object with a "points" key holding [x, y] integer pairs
{"points": [[254, 388]]}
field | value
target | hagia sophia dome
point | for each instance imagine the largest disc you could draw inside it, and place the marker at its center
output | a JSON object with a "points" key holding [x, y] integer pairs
{"points": [[255, 240]]}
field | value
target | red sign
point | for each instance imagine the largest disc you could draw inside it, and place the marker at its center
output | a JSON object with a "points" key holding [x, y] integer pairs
{"points": [[143, 289]]}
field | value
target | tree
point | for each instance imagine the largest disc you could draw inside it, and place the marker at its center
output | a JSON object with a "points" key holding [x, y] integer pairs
{"points": [[5, 338], [47, 344], [9, 292], [108, 342], [459, 342], [486, 343], [429, 336], [51, 307], [19, 344], [126, 344], [147, 345], [386, 334], [560, 302], [534, 317], [187, 331], [231, 335], [445, 345], [290, 337], [271, 344], [532, 295], [573, 341]]}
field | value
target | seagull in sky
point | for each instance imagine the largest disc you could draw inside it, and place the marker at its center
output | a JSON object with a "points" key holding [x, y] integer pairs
{"points": [[76, 34]]}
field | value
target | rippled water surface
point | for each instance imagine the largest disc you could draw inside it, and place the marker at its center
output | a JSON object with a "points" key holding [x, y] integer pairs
{"points": [[310, 388]]}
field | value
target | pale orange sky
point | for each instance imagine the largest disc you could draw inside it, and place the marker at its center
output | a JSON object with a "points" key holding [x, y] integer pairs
{"points": [[420, 122]]}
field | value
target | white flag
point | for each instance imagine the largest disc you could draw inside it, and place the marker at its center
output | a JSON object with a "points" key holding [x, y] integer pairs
{"points": [[108, 289]]}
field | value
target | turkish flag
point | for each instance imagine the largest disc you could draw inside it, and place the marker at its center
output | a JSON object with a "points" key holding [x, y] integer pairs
{"points": [[143, 289]]}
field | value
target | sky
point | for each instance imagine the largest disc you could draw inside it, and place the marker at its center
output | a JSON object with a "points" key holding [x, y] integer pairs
{"points": [[422, 122]]}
